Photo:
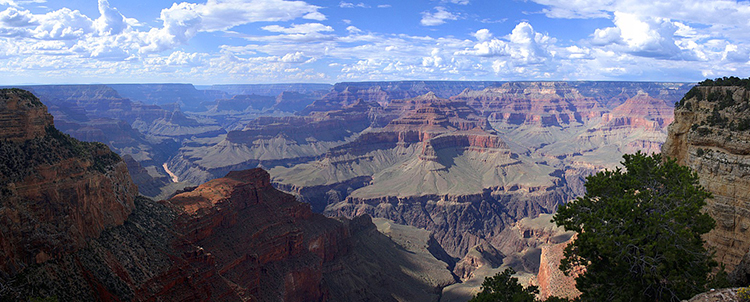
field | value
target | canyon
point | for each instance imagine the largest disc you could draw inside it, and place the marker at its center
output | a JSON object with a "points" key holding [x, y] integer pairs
{"points": [[458, 164], [74, 229]]}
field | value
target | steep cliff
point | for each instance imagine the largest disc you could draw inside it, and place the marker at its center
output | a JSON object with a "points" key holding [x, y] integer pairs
{"points": [[272, 141], [439, 166], [711, 135], [72, 229], [237, 239], [56, 192]]}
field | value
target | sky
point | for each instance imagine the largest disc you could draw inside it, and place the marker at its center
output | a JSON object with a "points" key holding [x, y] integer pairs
{"points": [[326, 41]]}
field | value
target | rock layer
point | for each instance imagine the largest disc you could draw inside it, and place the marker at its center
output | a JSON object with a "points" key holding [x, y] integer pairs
{"points": [[707, 136], [56, 192]]}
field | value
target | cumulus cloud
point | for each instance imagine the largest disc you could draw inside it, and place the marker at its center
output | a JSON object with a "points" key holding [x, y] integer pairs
{"points": [[12, 17], [63, 24], [438, 17], [483, 35], [524, 45], [224, 14], [734, 53], [180, 23], [111, 21], [646, 36]]}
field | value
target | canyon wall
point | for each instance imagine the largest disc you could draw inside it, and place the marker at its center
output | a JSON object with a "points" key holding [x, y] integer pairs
{"points": [[711, 135]]}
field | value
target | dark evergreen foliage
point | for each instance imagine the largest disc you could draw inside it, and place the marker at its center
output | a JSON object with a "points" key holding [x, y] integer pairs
{"points": [[639, 233]]}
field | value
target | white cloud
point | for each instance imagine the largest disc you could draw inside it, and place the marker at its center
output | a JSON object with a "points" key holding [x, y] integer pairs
{"points": [[482, 35], [111, 21], [438, 17], [299, 28], [343, 4], [734, 53], [12, 17], [606, 36], [180, 23], [524, 45], [460, 2], [384, 6], [224, 14], [647, 36], [353, 30], [63, 24]]}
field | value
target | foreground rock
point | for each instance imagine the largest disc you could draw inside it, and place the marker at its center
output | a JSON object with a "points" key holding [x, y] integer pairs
{"points": [[711, 135], [73, 229], [56, 192]]}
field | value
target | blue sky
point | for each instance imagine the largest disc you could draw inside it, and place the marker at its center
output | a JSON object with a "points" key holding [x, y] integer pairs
{"points": [[317, 41]]}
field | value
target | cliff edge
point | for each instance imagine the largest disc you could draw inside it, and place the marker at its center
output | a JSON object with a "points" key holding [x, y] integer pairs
{"points": [[711, 135]]}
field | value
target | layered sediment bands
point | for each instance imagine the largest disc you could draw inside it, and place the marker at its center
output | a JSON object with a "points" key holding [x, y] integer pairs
{"points": [[708, 136], [273, 141], [540, 103], [22, 116], [439, 166], [261, 240], [56, 192], [550, 279], [238, 239], [343, 94]]}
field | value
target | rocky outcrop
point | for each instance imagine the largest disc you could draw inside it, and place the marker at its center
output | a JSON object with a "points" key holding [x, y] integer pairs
{"points": [[273, 141], [710, 135], [439, 166], [57, 192], [343, 94], [183, 95], [243, 102], [540, 103], [484, 254], [237, 239], [22, 116], [550, 279], [273, 89]]}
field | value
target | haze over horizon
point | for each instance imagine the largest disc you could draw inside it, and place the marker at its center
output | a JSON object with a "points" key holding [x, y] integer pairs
{"points": [[315, 41]]}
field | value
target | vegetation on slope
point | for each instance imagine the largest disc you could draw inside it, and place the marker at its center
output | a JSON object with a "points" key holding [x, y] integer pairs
{"points": [[639, 233], [639, 236], [20, 159]]}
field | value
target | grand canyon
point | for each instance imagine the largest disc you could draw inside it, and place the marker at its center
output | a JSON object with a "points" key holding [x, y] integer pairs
{"points": [[305, 192]]}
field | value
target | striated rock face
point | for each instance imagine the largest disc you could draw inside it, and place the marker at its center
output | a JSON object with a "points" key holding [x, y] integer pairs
{"points": [[710, 135], [540, 103], [343, 94], [481, 255], [237, 238], [22, 116], [56, 192], [439, 166], [550, 279], [257, 236], [272, 141]]}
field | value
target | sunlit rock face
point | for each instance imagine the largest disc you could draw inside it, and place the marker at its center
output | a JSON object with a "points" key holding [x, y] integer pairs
{"points": [[708, 136]]}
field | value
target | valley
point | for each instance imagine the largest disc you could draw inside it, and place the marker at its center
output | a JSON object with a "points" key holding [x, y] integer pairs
{"points": [[465, 161]]}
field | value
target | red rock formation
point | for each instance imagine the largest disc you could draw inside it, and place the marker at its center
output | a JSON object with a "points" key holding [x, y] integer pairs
{"points": [[641, 111], [57, 192], [22, 116], [551, 280], [539, 103]]}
